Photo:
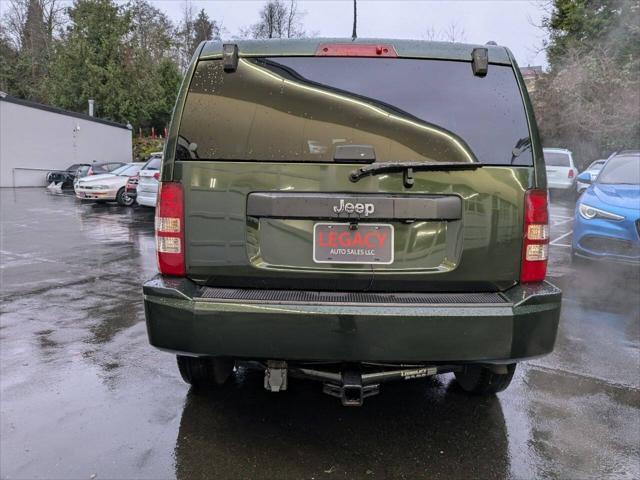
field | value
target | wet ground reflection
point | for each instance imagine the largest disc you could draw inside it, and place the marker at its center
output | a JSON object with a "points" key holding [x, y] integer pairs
{"points": [[413, 430], [82, 393]]}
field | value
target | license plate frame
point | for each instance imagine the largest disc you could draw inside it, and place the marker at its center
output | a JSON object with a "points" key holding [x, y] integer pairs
{"points": [[362, 249]]}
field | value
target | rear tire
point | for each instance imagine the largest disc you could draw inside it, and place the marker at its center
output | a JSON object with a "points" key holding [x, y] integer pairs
{"points": [[202, 372], [483, 381], [123, 199]]}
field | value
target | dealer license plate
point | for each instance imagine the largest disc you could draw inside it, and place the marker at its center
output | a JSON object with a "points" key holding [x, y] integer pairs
{"points": [[364, 243]]}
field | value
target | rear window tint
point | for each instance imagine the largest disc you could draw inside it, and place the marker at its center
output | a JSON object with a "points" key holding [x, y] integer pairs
{"points": [[556, 159], [303, 108], [153, 164]]}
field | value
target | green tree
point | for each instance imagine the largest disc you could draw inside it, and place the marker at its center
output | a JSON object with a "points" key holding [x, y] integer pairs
{"points": [[28, 29], [193, 30], [91, 62], [120, 57], [151, 30], [590, 99], [205, 29], [8, 60]]}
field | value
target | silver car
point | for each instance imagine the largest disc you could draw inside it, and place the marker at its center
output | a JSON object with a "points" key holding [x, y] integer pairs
{"points": [[147, 190]]}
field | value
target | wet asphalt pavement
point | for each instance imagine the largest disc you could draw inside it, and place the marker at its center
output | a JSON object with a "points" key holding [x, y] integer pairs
{"points": [[82, 393]]}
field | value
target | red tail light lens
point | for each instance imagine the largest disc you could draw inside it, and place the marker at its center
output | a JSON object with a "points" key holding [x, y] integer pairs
{"points": [[535, 243], [156, 175], [355, 50], [571, 173], [170, 229]]}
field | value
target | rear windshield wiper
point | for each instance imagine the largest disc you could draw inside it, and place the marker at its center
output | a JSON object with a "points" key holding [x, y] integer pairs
{"points": [[409, 167]]}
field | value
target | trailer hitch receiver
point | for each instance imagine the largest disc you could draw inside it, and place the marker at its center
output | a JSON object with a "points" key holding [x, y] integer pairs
{"points": [[351, 391]]}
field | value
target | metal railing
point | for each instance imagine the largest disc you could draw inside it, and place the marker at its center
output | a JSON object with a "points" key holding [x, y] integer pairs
{"points": [[13, 172]]}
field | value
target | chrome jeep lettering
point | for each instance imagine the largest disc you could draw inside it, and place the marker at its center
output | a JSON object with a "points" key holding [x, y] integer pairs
{"points": [[359, 208]]}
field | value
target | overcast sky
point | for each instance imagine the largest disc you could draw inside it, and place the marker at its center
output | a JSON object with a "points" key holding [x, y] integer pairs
{"points": [[508, 22]]}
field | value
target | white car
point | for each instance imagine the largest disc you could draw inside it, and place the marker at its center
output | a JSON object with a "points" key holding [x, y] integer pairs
{"points": [[594, 170], [108, 186], [561, 171], [147, 190]]}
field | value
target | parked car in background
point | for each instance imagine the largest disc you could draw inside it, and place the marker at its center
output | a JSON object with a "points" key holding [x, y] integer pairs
{"points": [[66, 177], [561, 171], [593, 171], [108, 186], [607, 217], [132, 185], [147, 191], [96, 168]]}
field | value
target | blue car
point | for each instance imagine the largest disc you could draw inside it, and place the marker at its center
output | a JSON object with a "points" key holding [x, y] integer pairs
{"points": [[607, 218]]}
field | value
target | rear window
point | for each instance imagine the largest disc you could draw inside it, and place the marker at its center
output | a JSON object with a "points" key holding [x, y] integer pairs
{"points": [[556, 159], [153, 164], [304, 108], [597, 165], [127, 170]]}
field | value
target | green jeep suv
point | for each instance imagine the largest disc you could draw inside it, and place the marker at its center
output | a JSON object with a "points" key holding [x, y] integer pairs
{"points": [[352, 211]]}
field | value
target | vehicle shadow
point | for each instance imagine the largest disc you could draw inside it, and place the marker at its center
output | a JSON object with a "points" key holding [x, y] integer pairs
{"points": [[418, 429]]}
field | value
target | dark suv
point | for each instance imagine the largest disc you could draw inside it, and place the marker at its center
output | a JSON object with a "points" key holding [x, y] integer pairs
{"points": [[352, 212]]}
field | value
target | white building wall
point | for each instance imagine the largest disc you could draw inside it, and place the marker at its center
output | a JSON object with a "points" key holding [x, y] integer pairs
{"points": [[40, 139]]}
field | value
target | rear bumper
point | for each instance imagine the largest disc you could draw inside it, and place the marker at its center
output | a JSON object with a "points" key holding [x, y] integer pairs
{"points": [[87, 194], [185, 318], [559, 185], [147, 199]]}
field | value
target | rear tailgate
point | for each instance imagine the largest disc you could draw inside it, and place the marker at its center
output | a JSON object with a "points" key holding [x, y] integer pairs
{"points": [[229, 246], [268, 206], [148, 182]]}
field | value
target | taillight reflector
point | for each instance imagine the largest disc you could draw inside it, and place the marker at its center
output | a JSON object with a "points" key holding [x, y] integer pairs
{"points": [[169, 225], [535, 243], [571, 173], [356, 50], [156, 175]]}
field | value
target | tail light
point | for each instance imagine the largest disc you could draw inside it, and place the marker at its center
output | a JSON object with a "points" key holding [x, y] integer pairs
{"points": [[355, 50], [571, 173], [156, 176], [535, 243], [90, 171], [170, 229]]}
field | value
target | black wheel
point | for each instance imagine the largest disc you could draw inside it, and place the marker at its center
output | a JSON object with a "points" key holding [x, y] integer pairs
{"points": [[123, 199], [204, 371], [483, 381]]}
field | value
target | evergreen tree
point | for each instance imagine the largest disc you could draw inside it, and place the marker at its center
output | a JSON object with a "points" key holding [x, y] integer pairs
{"points": [[118, 57], [590, 100], [204, 29]]}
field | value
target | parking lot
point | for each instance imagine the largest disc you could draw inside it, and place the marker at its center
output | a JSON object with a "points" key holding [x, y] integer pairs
{"points": [[83, 394]]}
